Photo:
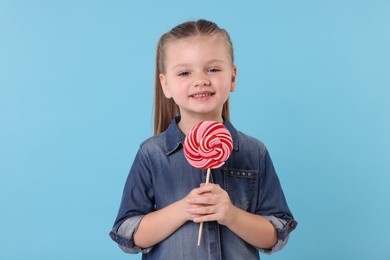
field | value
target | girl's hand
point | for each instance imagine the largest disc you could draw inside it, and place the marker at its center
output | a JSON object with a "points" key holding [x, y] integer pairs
{"points": [[190, 215], [210, 203]]}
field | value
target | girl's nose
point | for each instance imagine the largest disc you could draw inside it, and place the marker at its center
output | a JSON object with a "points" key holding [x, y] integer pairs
{"points": [[202, 80]]}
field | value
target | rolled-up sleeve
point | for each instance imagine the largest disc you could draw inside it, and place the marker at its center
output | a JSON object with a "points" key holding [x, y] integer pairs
{"points": [[273, 205], [137, 201], [283, 228], [124, 236]]}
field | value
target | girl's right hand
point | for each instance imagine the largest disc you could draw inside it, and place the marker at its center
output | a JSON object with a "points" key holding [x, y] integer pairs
{"points": [[188, 206]]}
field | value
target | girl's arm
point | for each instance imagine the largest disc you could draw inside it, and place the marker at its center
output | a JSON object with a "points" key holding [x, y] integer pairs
{"points": [[158, 225], [254, 229], [211, 203]]}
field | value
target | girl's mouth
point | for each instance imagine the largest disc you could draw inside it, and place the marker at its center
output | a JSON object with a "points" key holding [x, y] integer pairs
{"points": [[202, 95]]}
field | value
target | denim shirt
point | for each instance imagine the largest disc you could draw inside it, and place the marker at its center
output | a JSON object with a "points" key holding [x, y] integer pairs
{"points": [[160, 176]]}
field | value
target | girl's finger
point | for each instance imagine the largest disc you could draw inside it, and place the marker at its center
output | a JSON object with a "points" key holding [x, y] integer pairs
{"points": [[208, 188], [199, 200], [201, 211]]}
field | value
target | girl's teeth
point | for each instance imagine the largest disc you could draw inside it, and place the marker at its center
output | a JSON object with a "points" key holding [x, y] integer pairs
{"points": [[201, 95]]}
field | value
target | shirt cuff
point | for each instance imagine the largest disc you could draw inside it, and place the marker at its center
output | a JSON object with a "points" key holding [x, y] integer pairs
{"points": [[124, 236], [283, 229]]}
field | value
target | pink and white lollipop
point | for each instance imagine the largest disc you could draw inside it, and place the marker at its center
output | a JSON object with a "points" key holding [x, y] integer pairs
{"points": [[207, 146]]}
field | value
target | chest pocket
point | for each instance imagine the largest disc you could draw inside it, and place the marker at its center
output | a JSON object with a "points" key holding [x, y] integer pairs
{"points": [[240, 185]]}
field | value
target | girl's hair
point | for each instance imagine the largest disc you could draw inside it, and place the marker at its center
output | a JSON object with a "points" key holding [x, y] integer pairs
{"points": [[166, 109]]}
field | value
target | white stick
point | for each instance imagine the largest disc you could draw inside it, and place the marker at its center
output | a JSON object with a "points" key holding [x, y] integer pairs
{"points": [[201, 223]]}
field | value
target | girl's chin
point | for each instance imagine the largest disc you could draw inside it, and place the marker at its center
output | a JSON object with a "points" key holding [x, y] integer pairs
{"points": [[205, 115]]}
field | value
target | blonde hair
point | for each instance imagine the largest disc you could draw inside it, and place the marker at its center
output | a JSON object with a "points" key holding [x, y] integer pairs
{"points": [[166, 109]]}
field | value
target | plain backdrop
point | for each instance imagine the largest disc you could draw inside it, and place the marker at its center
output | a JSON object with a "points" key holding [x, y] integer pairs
{"points": [[76, 97]]}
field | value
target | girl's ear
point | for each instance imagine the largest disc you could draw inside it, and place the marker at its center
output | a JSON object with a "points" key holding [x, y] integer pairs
{"points": [[164, 86], [234, 77]]}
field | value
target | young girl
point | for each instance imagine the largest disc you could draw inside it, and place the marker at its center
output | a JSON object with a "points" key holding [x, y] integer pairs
{"points": [[243, 208]]}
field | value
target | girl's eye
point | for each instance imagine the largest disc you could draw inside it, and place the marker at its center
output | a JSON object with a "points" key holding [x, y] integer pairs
{"points": [[213, 70], [184, 74]]}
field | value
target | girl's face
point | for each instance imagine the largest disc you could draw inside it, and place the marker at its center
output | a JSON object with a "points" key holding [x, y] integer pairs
{"points": [[199, 75]]}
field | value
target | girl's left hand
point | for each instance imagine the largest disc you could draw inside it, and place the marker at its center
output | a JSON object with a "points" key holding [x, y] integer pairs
{"points": [[212, 203]]}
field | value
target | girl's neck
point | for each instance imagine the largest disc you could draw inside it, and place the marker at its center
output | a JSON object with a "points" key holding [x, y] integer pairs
{"points": [[186, 122]]}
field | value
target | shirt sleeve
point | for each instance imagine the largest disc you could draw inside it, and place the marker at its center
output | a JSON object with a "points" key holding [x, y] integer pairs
{"points": [[137, 201], [124, 236], [273, 205], [283, 229]]}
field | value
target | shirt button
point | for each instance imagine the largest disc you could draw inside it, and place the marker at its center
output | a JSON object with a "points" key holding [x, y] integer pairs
{"points": [[293, 225]]}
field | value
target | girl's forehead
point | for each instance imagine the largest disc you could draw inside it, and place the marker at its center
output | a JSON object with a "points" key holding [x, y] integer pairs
{"points": [[213, 45], [198, 39]]}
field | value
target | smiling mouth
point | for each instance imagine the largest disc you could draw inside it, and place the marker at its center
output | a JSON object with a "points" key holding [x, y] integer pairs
{"points": [[202, 95]]}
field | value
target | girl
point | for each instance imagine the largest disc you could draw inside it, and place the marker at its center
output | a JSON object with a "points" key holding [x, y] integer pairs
{"points": [[164, 200]]}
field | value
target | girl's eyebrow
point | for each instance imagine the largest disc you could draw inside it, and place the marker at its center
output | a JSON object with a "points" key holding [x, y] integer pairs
{"points": [[215, 61], [180, 65], [187, 64]]}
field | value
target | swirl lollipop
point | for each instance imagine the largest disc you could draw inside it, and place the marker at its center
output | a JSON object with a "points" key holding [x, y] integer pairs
{"points": [[207, 146]]}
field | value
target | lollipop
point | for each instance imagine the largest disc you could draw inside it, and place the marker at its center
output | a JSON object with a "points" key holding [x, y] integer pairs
{"points": [[207, 146]]}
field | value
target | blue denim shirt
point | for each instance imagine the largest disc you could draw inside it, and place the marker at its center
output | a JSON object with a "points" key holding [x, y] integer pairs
{"points": [[161, 175]]}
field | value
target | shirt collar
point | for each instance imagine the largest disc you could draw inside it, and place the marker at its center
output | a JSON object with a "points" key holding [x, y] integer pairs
{"points": [[174, 137]]}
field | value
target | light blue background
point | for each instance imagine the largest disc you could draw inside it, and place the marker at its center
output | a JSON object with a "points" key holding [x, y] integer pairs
{"points": [[76, 84]]}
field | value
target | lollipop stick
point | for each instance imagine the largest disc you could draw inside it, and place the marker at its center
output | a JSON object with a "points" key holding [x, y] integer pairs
{"points": [[208, 175], [201, 223]]}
